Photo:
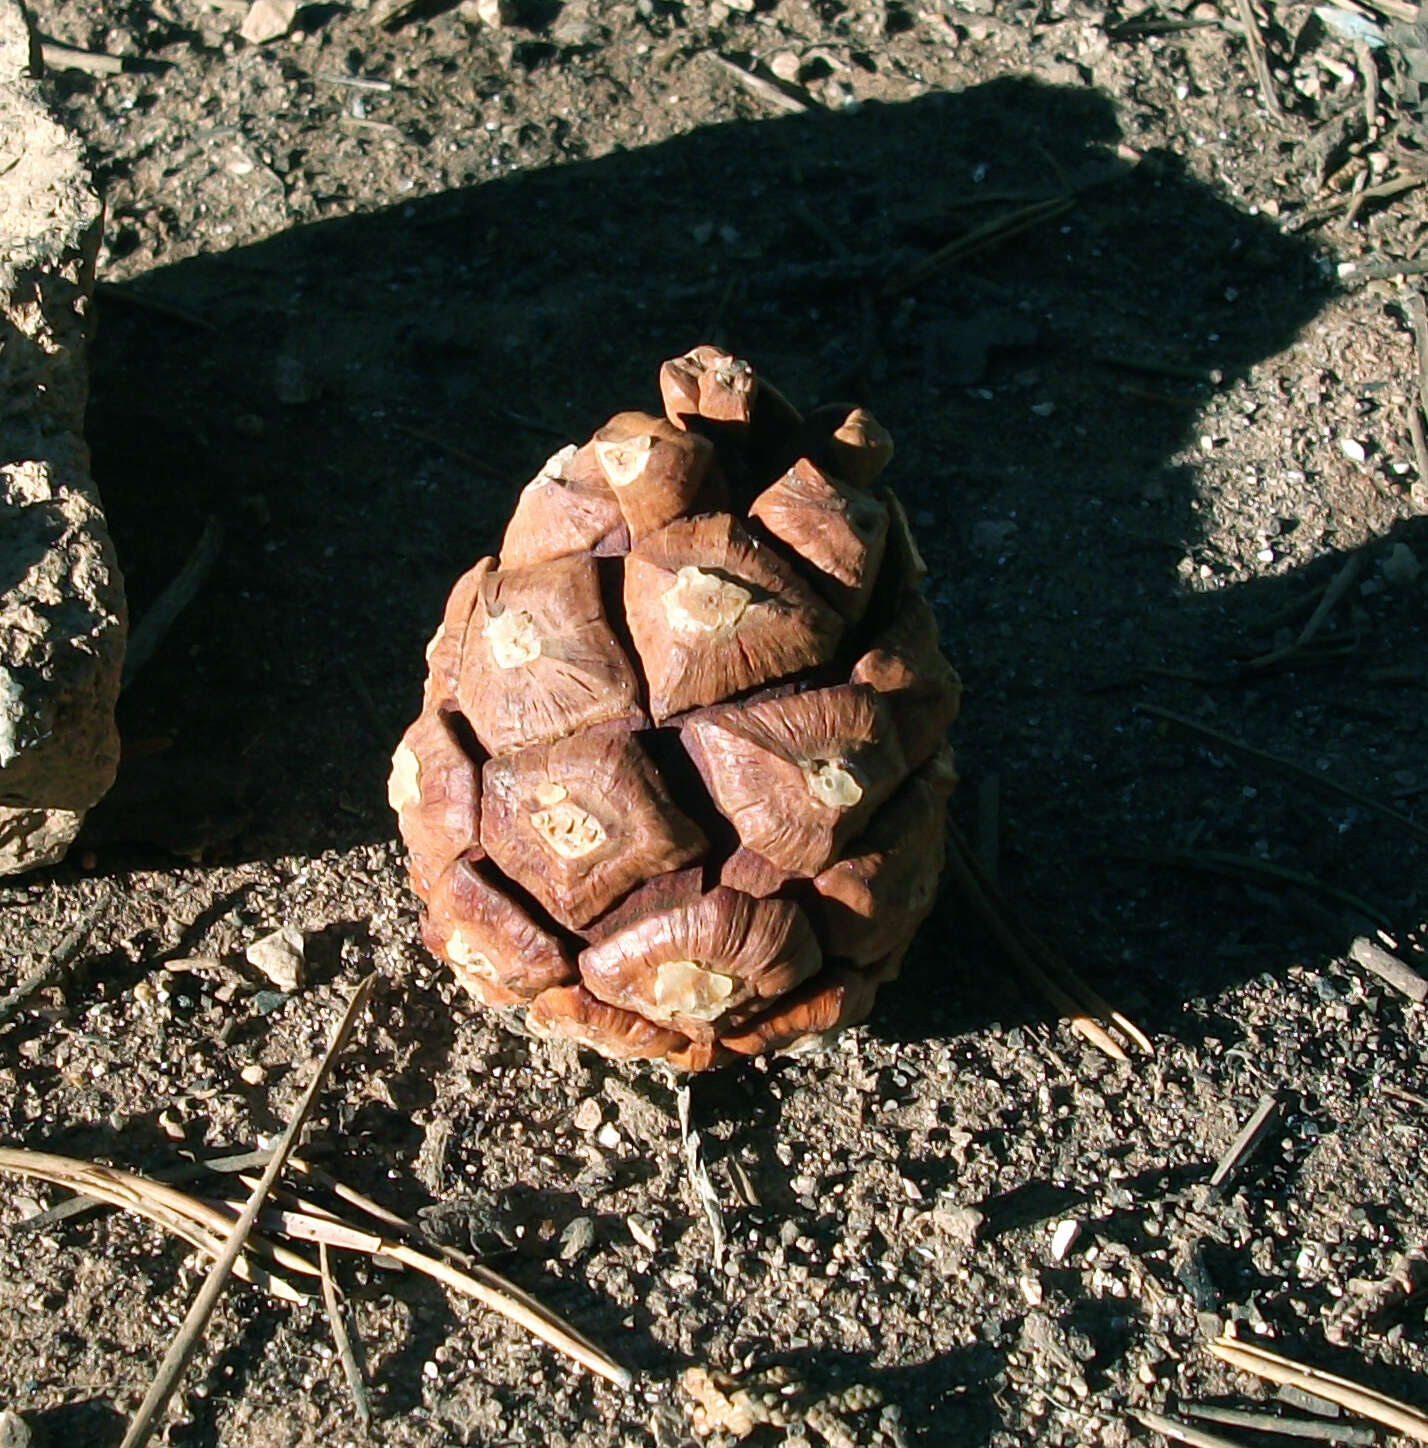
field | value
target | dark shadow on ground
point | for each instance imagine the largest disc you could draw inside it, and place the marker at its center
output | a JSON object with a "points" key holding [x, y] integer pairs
{"points": [[375, 390]]}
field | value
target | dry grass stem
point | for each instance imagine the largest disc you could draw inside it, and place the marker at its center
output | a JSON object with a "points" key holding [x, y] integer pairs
{"points": [[978, 239], [493, 1291], [1339, 585], [1247, 1141], [1238, 867], [779, 94], [190, 1332], [153, 628], [58, 961], [200, 1224], [309, 1222], [1389, 969], [66, 57], [1259, 1421], [342, 1340], [1352, 1397], [1293, 771], [143, 302], [1058, 985], [1179, 1432], [1258, 59], [699, 1178], [465, 458]]}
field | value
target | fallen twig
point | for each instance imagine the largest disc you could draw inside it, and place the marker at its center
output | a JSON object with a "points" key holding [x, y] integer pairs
{"points": [[200, 1224], [1394, 9], [1247, 1141], [153, 628], [58, 56], [481, 469], [1063, 990], [978, 239], [1236, 867], [142, 301], [1416, 310], [1262, 1422], [342, 1340], [1179, 1432], [1255, 42], [704, 1191], [313, 1223], [356, 82], [1339, 585], [1420, 442], [785, 97], [1370, 269], [1294, 771], [1390, 969], [56, 963], [186, 1340], [1209, 377], [1354, 1397], [492, 1290]]}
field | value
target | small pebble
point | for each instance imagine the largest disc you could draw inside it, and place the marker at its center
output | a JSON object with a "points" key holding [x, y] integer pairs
{"points": [[642, 1232], [252, 1074], [15, 1432], [280, 956], [577, 1238], [267, 20], [1353, 449], [608, 1136], [1063, 1239], [587, 1115]]}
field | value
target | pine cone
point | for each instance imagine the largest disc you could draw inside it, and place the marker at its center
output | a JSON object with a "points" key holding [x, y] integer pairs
{"points": [[679, 781]]}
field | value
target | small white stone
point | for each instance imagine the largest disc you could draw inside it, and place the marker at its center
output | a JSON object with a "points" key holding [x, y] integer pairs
{"points": [[643, 1233], [1352, 448], [608, 1136], [268, 20], [1063, 1239], [280, 957], [587, 1115], [252, 1074], [1031, 1289]]}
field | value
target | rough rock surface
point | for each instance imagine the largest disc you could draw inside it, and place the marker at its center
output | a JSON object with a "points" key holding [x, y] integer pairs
{"points": [[62, 617]]}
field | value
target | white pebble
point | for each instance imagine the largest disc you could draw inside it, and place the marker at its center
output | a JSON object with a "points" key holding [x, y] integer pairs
{"points": [[1064, 1238]]}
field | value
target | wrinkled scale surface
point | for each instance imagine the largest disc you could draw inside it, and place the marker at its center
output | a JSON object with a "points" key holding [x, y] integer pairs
{"points": [[678, 786]]}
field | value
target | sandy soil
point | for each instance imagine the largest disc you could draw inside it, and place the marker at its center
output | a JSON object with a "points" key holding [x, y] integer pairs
{"points": [[358, 283]]}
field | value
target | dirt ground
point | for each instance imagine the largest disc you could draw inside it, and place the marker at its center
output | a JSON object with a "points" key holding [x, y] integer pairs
{"points": [[357, 284]]}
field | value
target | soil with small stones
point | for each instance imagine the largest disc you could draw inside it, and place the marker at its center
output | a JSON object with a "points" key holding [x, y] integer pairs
{"points": [[357, 284]]}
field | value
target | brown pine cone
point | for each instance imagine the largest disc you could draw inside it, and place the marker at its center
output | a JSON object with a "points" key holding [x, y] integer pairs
{"points": [[679, 782]]}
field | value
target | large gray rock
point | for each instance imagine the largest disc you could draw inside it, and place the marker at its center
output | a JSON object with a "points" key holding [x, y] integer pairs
{"points": [[62, 617]]}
